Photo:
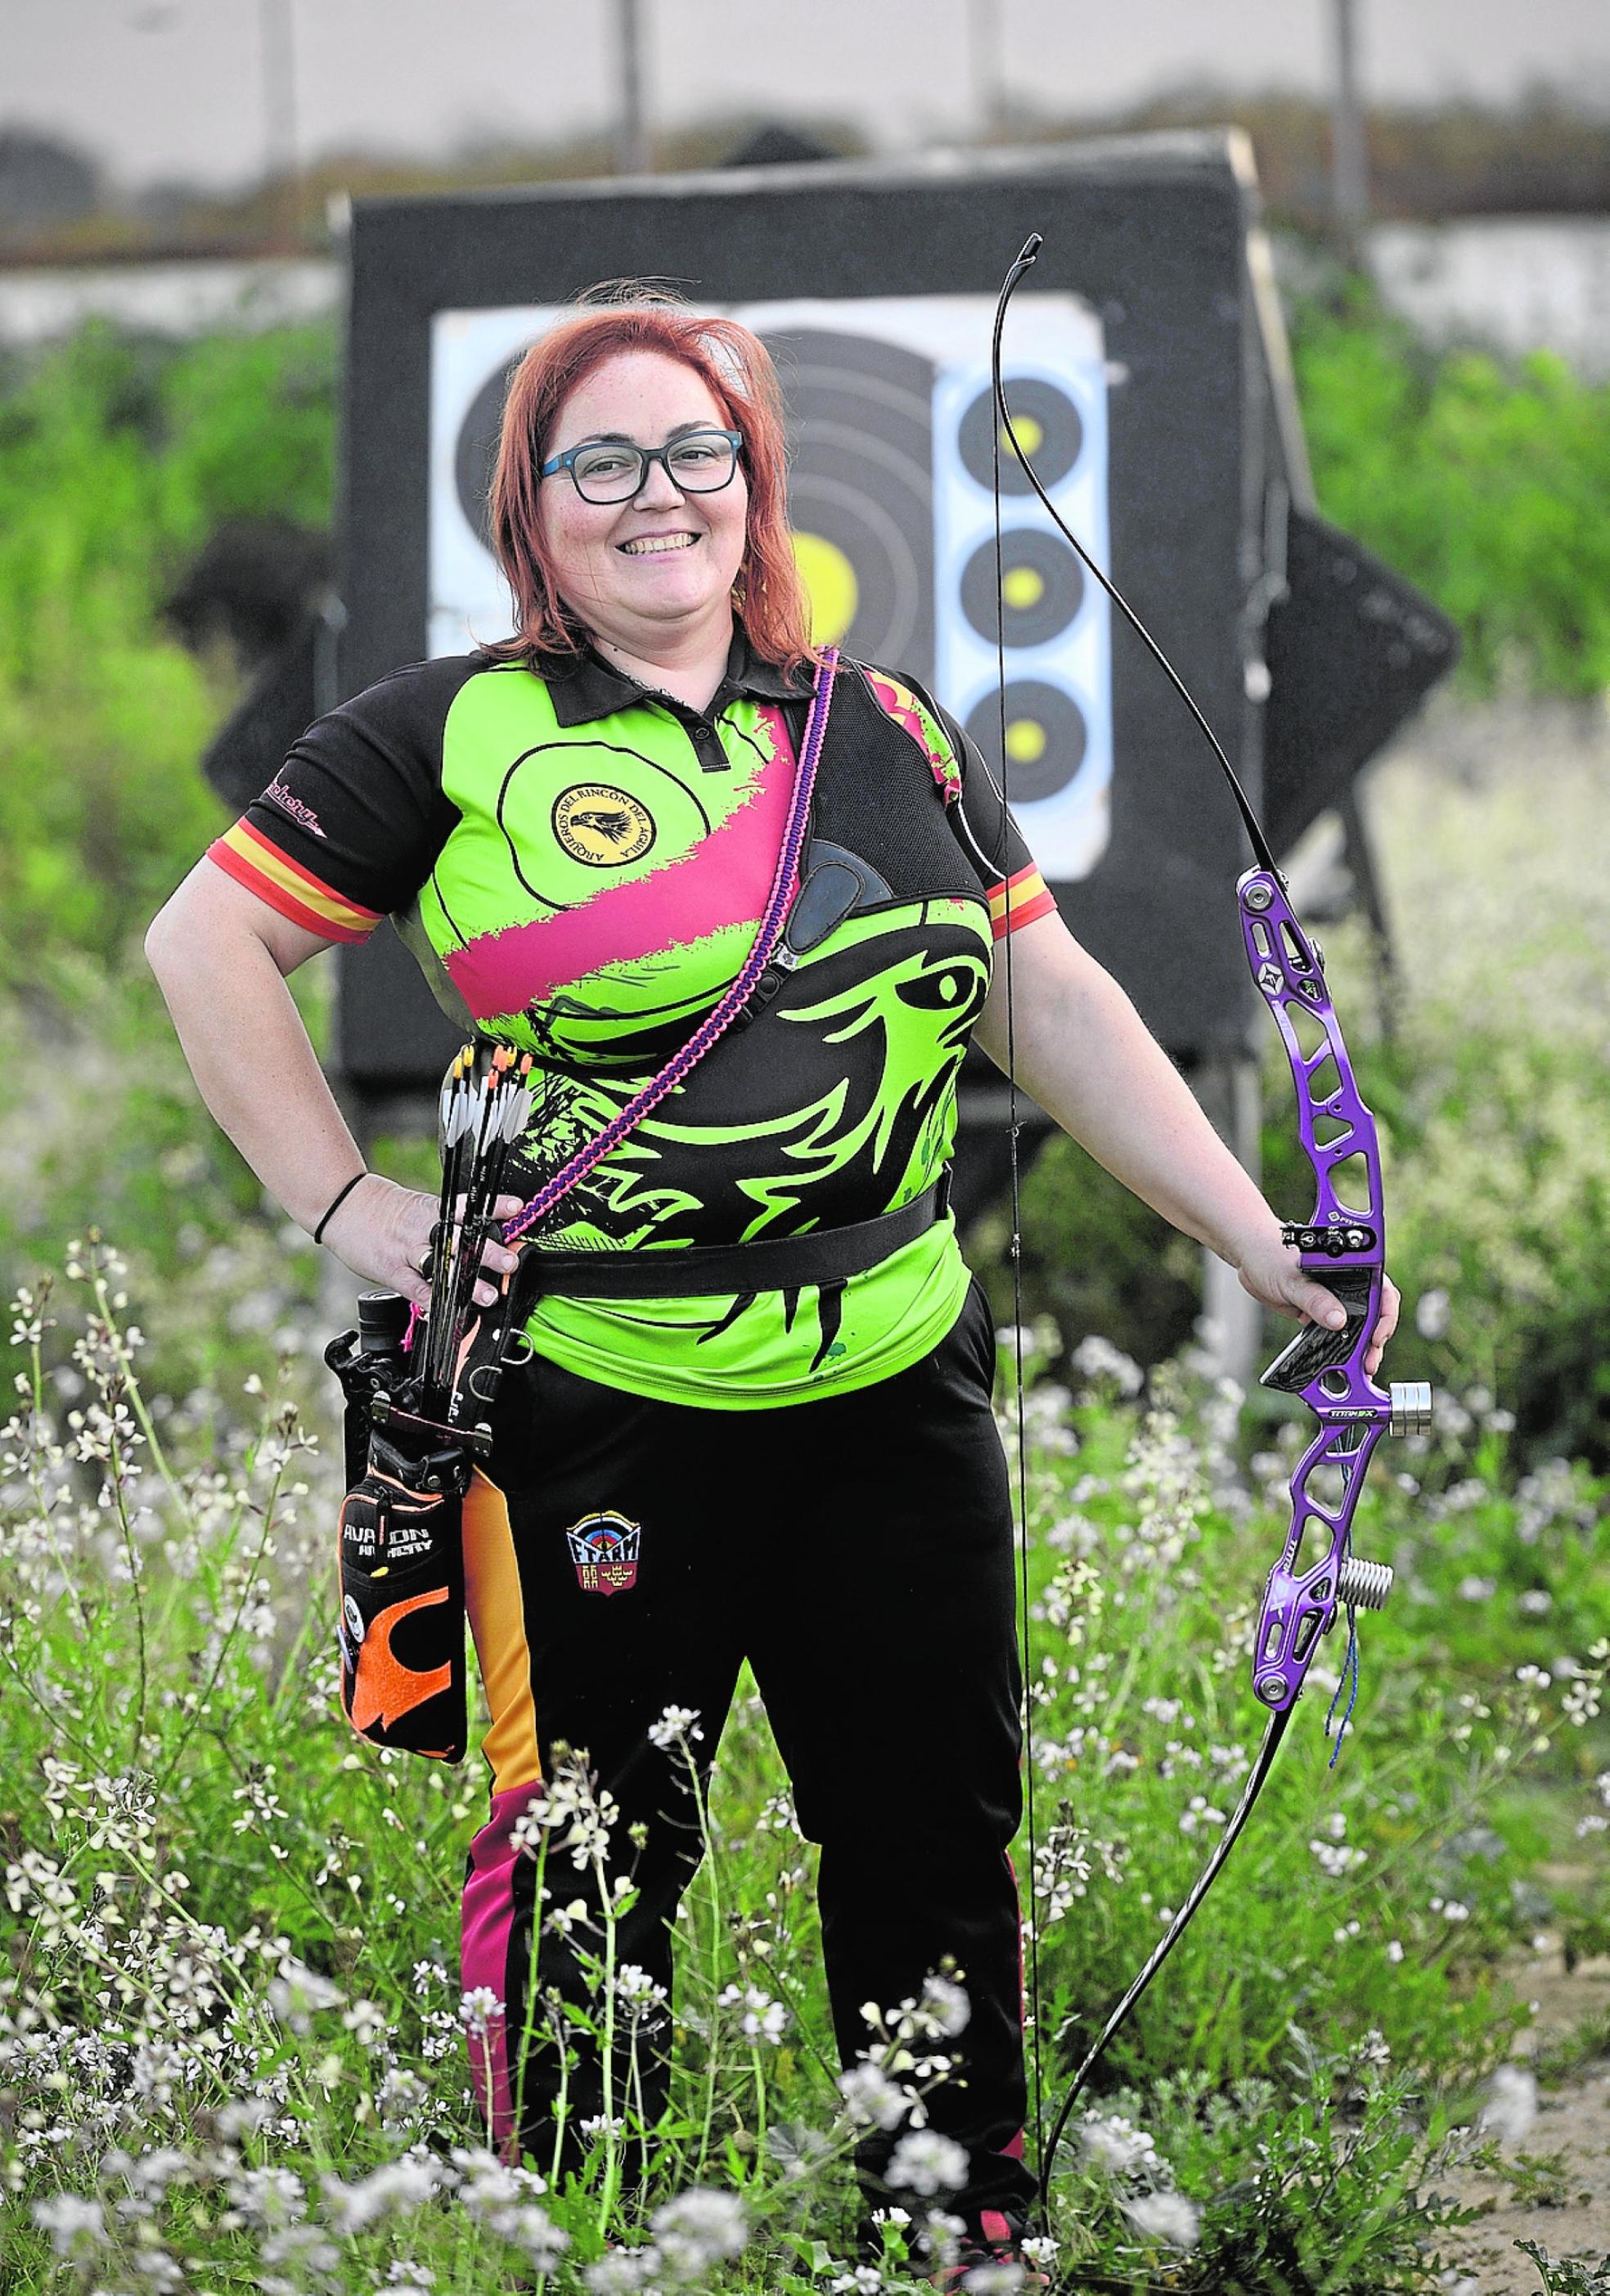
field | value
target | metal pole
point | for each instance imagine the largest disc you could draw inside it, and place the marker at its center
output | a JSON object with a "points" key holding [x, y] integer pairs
{"points": [[985, 40], [1349, 159], [632, 134], [279, 111]]}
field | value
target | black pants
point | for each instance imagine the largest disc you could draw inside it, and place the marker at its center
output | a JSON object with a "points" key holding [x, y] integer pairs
{"points": [[858, 1551]]}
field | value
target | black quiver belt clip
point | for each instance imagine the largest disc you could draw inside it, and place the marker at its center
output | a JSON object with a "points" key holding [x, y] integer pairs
{"points": [[401, 1622]]}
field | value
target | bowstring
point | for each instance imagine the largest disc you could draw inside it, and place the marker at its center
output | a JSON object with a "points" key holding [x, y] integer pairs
{"points": [[1003, 859]]}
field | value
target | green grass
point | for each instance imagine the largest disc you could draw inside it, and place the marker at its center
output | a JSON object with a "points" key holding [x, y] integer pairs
{"points": [[232, 1926], [185, 1825]]}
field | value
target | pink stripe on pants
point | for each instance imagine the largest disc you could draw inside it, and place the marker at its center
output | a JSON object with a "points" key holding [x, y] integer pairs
{"points": [[488, 1922]]}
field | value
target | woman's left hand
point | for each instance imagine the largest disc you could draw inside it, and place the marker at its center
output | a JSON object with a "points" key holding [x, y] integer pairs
{"points": [[1273, 1273]]}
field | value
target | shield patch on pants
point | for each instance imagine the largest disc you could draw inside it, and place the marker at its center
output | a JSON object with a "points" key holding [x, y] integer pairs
{"points": [[603, 1547]]}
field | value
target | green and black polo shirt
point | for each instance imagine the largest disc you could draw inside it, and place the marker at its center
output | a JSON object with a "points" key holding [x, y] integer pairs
{"points": [[579, 865]]}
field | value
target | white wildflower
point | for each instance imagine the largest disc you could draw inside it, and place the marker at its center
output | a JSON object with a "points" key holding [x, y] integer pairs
{"points": [[946, 2006], [488, 2183], [397, 2185], [269, 2196], [677, 1726], [534, 2231], [1167, 2216], [298, 1994], [872, 2097], [697, 2230], [764, 2019], [1338, 1858], [76, 2227], [479, 2009], [1098, 1359], [365, 2020], [622, 2272], [639, 1990], [1511, 2105], [1116, 2143], [303, 2246], [1581, 1704], [926, 2162]]}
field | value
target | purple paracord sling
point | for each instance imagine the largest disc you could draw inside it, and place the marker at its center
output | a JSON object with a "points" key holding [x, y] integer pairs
{"points": [[706, 1035]]}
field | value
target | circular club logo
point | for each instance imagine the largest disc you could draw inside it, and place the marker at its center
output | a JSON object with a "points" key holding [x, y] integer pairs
{"points": [[602, 826], [354, 1618]]}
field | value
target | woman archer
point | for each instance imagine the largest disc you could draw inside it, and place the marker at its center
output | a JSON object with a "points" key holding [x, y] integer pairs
{"points": [[575, 831]]}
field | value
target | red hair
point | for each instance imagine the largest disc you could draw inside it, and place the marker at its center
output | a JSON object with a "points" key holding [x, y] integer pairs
{"points": [[768, 596]]}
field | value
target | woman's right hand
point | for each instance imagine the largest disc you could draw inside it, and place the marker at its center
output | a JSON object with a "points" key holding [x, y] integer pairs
{"points": [[382, 1232]]}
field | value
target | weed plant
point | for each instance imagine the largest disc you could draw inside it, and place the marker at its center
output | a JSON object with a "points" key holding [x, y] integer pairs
{"points": [[233, 2049], [1478, 478], [119, 458]]}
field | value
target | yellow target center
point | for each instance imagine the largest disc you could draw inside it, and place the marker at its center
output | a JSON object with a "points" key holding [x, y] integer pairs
{"points": [[1022, 588], [830, 587], [1025, 740], [1031, 435]]}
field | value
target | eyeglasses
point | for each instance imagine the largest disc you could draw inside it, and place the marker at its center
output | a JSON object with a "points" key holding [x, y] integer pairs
{"points": [[612, 470]]}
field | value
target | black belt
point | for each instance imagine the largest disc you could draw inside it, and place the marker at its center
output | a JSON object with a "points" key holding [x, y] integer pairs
{"points": [[769, 1264]]}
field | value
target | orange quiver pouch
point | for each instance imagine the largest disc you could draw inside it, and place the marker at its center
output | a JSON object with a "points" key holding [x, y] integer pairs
{"points": [[400, 1627]]}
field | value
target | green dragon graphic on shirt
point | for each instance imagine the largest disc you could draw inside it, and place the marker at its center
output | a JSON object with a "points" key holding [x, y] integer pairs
{"points": [[863, 1049]]}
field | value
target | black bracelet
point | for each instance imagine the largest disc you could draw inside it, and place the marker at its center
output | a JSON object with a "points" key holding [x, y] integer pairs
{"points": [[318, 1234]]}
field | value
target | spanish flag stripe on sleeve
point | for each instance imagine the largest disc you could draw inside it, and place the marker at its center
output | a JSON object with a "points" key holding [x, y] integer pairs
{"points": [[244, 854], [1025, 896]]}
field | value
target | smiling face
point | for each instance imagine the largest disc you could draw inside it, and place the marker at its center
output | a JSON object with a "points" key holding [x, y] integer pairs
{"points": [[653, 576]]}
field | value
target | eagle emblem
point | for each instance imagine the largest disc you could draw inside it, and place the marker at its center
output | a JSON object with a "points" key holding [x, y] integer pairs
{"points": [[602, 826]]}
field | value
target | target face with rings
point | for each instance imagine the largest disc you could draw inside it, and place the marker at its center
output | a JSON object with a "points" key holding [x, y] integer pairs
{"points": [[1045, 738], [476, 452], [861, 489], [1041, 588], [1048, 429]]}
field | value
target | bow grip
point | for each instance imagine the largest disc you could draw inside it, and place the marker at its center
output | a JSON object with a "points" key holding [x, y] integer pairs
{"points": [[1317, 1348]]}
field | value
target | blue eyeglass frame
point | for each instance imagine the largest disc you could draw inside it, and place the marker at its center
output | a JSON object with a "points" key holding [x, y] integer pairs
{"points": [[649, 455]]}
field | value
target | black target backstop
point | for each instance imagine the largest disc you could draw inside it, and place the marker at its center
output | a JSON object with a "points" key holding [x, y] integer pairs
{"points": [[1145, 367]]}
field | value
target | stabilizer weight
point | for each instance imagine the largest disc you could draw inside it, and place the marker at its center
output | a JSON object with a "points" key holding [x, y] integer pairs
{"points": [[1411, 1408], [1364, 1584]]}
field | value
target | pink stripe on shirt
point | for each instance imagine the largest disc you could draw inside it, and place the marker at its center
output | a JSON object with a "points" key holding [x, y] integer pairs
{"points": [[724, 881]]}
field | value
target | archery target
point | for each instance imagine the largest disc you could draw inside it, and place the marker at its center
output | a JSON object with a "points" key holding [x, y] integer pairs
{"points": [[472, 354], [1046, 740], [1042, 588], [1049, 431], [891, 430], [1054, 627], [860, 488]]}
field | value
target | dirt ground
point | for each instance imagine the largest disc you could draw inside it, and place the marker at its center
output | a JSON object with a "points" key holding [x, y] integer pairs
{"points": [[1572, 2121]]}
